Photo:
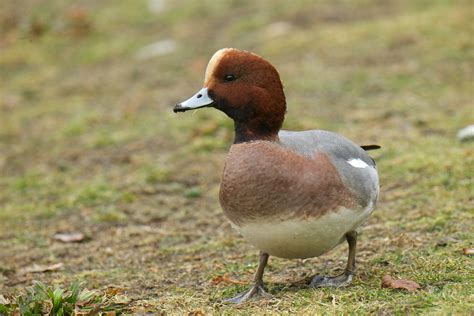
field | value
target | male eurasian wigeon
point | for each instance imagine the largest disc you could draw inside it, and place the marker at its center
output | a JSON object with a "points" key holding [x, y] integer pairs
{"points": [[290, 194]]}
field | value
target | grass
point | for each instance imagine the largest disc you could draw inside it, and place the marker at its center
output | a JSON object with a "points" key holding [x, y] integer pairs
{"points": [[40, 299], [88, 143]]}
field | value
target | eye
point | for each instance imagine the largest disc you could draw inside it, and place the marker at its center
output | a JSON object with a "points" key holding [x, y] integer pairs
{"points": [[229, 78]]}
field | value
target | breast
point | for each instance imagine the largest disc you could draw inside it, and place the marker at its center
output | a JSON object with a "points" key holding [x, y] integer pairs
{"points": [[265, 182]]}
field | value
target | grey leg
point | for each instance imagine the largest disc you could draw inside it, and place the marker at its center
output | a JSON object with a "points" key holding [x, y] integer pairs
{"points": [[346, 277], [257, 288]]}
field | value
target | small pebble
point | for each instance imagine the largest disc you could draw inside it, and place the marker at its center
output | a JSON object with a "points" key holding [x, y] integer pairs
{"points": [[158, 48], [156, 6], [466, 134]]}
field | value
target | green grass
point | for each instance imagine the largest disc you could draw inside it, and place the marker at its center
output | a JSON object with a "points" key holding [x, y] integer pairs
{"points": [[88, 143], [40, 299]]}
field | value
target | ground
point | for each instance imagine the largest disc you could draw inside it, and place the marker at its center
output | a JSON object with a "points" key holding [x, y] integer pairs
{"points": [[89, 144]]}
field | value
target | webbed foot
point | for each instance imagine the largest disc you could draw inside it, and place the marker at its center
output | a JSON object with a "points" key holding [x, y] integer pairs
{"points": [[346, 277], [257, 290], [337, 281]]}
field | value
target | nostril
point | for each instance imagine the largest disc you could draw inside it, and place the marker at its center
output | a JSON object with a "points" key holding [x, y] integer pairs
{"points": [[199, 95]]}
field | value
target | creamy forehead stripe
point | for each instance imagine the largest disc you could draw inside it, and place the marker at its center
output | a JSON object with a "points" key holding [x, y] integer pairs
{"points": [[357, 163], [215, 59]]}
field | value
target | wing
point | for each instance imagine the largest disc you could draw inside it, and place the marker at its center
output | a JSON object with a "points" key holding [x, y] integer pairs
{"points": [[355, 167]]}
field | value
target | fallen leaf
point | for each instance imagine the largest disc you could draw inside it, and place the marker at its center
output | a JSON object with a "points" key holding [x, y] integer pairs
{"points": [[78, 21], [42, 268], [225, 278], [3, 300], [468, 251], [217, 279], [390, 282], [69, 237], [197, 312], [121, 299], [114, 290]]}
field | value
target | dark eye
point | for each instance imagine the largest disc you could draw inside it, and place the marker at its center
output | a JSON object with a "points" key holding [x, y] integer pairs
{"points": [[229, 78]]}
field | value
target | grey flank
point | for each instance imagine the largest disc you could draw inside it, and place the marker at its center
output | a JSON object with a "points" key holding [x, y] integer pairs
{"points": [[363, 182]]}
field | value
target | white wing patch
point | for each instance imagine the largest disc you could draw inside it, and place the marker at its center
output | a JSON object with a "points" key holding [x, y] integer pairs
{"points": [[357, 163]]}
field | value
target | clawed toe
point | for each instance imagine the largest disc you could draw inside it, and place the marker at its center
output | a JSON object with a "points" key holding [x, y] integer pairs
{"points": [[256, 290], [337, 281]]}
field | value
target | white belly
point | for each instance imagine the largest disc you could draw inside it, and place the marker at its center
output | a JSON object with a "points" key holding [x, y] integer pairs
{"points": [[304, 238]]}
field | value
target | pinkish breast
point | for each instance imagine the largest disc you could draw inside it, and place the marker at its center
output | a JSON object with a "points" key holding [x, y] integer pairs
{"points": [[262, 180]]}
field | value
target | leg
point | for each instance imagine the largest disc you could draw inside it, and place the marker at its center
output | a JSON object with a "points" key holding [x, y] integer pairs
{"points": [[346, 277], [257, 288]]}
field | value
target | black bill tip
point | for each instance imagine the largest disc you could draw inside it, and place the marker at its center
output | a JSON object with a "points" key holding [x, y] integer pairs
{"points": [[178, 108]]}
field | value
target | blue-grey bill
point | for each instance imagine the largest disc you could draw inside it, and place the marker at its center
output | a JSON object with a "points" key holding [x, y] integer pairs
{"points": [[199, 100]]}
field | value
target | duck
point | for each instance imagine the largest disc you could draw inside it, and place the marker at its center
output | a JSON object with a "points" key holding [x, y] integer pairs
{"points": [[291, 194]]}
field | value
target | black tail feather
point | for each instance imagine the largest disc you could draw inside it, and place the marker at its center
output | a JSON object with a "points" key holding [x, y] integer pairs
{"points": [[370, 147]]}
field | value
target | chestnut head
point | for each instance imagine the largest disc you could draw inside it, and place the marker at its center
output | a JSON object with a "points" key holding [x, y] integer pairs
{"points": [[245, 87]]}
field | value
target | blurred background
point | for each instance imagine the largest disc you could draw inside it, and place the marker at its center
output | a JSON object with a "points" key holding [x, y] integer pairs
{"points": [[102, 184]]}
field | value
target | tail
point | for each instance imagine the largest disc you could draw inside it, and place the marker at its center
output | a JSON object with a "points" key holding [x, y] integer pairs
{"points": [[370, 147]]}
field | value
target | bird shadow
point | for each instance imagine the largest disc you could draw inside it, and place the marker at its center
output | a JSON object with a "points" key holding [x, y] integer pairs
{"points": [[295, 286]]}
